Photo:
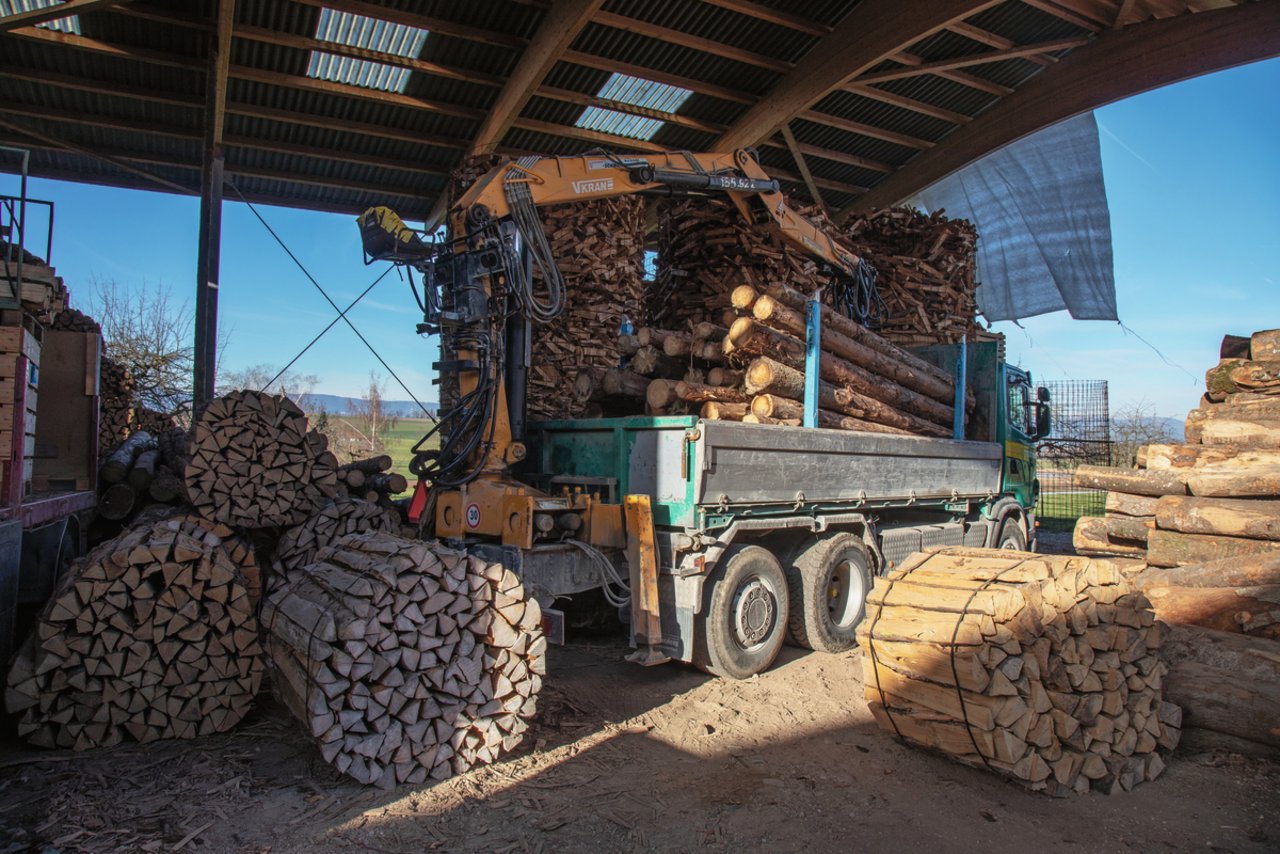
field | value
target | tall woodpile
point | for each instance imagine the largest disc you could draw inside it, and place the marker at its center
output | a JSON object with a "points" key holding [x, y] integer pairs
{"points": [[404, 660], [1046, 669], [706, 249], [599, 249], [1204, 515], [152, 635], [927, 266], [115, 404], [254, 464]]}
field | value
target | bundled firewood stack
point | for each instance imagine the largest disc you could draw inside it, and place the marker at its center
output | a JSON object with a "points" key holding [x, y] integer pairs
{"points": [[152, 635], [1043, 668], [927, 272], [115, 404], [372, 480], [706, 249], [254, 464], [1205, 516], [405, 661], [343, 515], [599, 248]]}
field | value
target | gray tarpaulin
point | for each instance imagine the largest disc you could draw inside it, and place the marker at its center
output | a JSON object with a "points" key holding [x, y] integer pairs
{"points": [[1044, 230]]}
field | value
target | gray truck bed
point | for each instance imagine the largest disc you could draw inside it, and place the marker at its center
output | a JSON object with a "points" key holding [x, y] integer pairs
{"points": [[763, 464]]}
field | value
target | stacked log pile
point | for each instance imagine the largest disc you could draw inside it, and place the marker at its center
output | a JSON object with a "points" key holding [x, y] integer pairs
{"points": [[372, 480], [599, 248], [1205, 516], [74, 320], [405, 661], [41, 292], [152, 635], [927, 266], [1046, 669], [144, 470], [254, 464]]}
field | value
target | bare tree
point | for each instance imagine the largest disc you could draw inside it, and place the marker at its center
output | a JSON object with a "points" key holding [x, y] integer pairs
{"points": [[150, 334], [369, 417], [1133, 426], [263, 377]]}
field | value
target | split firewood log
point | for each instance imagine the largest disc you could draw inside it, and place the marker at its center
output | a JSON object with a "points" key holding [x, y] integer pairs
{"points": [[151, 635], [338, 518], [254, 464], [405, 660], [1046, 669]]}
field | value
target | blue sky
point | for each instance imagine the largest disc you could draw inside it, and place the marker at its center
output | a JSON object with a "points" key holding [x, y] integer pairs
{"points": [[1192, 174]]}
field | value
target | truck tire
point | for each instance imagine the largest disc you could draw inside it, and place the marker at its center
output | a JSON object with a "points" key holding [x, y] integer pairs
{"points": [[1011, 536], [744, 621], [829, 582]]}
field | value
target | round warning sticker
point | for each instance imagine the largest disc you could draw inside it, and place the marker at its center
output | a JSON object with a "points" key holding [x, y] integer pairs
{"points": [[473, 515]]}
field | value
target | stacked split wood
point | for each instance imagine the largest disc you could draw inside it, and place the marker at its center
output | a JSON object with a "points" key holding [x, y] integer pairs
{"points": [[405, 660], [254, 464], [598, 247], [1043, 668], [927, 266], [152, 635], [338, 518], [41, 291], [115, 404], [73, 320], [706, 249]]}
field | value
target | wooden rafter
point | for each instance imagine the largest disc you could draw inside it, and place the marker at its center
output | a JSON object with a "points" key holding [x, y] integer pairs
{"points": [[1118, 64], [674, 36], [798, 156], [52, 13], [1016, 52], [864, 129], [761, 12], [873, 31], [220, 65], [1060, 11], [425, 22], [990, 39], [886, 97], [560, 25], [115, 159]]}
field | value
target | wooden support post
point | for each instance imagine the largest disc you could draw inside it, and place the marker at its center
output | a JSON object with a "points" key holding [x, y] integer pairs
{"points": [[642, 557], [962, 375], [210, 245], [812, 358]]}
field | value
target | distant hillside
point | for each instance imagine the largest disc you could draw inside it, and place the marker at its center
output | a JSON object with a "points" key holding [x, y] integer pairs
{"points": [[336, 404]]}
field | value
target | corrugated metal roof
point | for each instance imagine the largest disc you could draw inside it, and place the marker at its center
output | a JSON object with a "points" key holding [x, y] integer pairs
{"points": [[315, 116], [69, 24]]}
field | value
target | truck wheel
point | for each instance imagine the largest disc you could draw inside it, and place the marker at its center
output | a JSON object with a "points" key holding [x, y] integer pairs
{"points": [[1011, 536], [745, 620], [829, 583]]}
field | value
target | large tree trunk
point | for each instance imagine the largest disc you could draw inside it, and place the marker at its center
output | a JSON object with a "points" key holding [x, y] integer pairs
{"points": [[1258, 482], [1226, 683], [1132, 481], [1174, 548], [1244, 571], [1254, 610], [1120, 536], [1143, 506], [1164, 456], [1230, 517]]}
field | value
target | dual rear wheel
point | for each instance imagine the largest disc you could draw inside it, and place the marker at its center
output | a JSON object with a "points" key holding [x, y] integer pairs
{"points": [[753, 604]]}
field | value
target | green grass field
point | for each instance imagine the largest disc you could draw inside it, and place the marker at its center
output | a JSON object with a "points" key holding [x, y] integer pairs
{"points": [[399, 442], [1058, 511]]}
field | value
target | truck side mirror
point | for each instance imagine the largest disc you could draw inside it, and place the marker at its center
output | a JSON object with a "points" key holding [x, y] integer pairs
{"points": [[1043, 419], [1042, 394]]}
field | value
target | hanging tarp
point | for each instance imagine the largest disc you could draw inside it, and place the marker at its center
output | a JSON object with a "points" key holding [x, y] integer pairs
{"points": [[1044, 228]]}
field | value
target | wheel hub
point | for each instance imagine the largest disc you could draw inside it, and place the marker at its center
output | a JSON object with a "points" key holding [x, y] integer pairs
{"points": [[844, 594], [753, 613]]}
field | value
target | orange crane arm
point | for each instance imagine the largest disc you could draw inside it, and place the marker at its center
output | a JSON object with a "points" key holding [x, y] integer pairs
{"points": [[561, 180]]}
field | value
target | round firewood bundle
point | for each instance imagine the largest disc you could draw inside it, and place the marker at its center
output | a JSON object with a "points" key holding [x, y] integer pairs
{"points": [[338, 518], [237, 546], [151, 635], [1043, 668], [405, 660], [254, 464]]}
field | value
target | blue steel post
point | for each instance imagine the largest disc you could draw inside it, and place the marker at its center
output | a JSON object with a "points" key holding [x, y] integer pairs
{"points": [[812, 356], [962, 373]]}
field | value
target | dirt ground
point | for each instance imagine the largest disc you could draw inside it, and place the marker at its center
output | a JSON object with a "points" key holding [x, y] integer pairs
{"points": [[626, 759]]}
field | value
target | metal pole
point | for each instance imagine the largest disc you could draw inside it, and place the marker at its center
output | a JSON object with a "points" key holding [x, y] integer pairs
{"points": [[962, 375], [812, 357]]}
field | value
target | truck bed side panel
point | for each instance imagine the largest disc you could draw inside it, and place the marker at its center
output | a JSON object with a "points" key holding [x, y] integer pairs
{"points": [[759, 464]]}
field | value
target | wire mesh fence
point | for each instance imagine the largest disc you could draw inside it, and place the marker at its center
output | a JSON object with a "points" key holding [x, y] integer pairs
{"points": [[1081, 435]]}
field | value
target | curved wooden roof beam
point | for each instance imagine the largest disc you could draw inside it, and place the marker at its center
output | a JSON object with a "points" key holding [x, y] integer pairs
{"points": [[874, 31], [1119, 63]]}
